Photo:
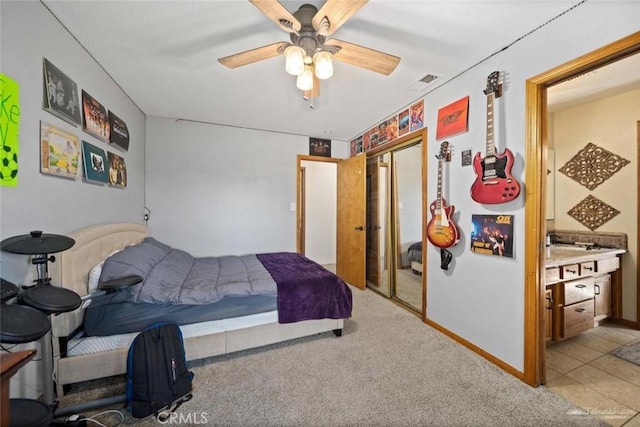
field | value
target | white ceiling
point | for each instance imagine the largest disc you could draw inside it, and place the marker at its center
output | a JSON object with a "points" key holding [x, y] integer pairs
{"points": [[609, 80], [164, 56]]}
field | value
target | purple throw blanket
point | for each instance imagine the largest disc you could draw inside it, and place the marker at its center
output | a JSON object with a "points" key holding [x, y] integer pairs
{"points": [[306, 290]]}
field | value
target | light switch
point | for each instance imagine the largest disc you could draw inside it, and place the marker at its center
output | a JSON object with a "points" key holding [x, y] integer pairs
{"points": [[292, 206]]}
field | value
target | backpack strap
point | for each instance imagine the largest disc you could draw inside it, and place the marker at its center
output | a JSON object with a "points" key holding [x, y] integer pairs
{"points": [[164, 415]]}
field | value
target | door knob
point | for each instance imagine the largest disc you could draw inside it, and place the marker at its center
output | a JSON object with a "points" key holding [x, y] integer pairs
{"points": [[360, 228]]}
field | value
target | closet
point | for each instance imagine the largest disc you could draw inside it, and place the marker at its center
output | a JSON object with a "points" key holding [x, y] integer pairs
{"points": [[396, 220], [381, 217]]}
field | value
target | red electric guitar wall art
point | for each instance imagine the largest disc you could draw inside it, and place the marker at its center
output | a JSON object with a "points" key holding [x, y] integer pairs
{"points": [[494, 182], [441, 230]]}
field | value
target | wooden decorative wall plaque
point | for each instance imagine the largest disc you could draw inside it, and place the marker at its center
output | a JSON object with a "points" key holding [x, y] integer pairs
{"points": [[592, 212], [593, 165]]}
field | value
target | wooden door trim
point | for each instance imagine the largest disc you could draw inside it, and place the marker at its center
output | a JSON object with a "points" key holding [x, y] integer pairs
{"points": [[301, 210], [535, 178]]}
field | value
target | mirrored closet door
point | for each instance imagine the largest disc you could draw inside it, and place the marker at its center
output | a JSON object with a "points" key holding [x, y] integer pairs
{"points": [[395, 220]]}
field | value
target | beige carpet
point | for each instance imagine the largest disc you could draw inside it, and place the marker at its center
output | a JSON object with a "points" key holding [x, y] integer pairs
{"points": [[388, 369]]}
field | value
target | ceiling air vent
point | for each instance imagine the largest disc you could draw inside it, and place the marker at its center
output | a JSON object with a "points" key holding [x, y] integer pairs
{"points": [[423, 82], [428, 78]]}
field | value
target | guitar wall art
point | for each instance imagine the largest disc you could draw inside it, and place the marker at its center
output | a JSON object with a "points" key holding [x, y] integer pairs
{"points": [[441, 230], [494, 182]]}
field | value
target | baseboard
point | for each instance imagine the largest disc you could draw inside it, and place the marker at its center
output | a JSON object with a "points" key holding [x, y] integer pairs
{"points": [[491, 358]]}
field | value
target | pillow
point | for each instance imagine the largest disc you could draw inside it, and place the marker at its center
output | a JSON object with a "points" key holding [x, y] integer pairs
{"points": [[94, 277], [96, 271]]}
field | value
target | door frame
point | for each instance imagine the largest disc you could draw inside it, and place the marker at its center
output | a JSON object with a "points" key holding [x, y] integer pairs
{"points": [[536, 128]]}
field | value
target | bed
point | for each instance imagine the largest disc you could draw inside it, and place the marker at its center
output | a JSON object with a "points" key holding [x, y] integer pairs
{"points": [[414, 255], [79, 357]]}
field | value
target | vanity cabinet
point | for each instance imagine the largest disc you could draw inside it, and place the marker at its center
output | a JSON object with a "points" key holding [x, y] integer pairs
{"points": [[577, 295], [602, 292], [577, 313], [548, 314]]}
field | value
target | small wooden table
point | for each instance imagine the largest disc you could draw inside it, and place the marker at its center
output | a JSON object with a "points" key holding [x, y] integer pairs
{"points": [[9, 365]]}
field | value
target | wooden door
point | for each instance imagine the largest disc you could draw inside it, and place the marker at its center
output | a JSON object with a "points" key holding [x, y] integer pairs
{"points": [[351, 222]]}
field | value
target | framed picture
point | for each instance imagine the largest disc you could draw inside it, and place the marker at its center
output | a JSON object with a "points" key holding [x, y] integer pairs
{"points": [[117, 170], [319, 147], [60, 94], [453, 119], [119, 132], [466, 158], [95, 163], [403, 122], [392, 128], [492, 235], [382, 133], [96, 121], [366, 141], [59, 152], [416, 116]]}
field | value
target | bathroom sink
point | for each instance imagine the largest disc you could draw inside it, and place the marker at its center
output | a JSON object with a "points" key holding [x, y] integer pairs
{"points": [[560, 252]]}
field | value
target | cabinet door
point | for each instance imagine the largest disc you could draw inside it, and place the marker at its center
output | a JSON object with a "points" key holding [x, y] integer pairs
{"points": [[548, 314], [602, 290]]}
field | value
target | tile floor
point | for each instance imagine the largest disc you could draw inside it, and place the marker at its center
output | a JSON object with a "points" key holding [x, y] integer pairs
{"points": [[583, 371]]}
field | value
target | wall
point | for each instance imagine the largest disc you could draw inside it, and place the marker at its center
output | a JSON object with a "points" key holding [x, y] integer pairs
{"points": [[609, 123], [215, 190], [43, 202], [481, 298]]}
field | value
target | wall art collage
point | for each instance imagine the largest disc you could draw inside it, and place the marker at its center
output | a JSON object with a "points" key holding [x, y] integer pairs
{"points": [[63, 153], [494, 184], [408, 120]]}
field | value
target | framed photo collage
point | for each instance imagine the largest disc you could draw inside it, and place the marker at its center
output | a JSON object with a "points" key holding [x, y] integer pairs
{"points": [[64, 153]]}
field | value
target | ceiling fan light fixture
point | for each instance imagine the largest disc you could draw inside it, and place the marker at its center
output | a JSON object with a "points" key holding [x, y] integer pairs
{"points": [[305, 79], [323, 61], [294, 62]]}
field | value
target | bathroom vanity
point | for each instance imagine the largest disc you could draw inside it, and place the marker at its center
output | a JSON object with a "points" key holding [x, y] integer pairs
{"points": [[581, 288]]}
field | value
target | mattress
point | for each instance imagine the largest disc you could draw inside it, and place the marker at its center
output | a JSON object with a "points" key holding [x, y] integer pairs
{"points": [[108, 315], [82, 345]]}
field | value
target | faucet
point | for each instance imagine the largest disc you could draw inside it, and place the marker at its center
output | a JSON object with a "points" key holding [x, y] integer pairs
{"points": [[552, 239]]}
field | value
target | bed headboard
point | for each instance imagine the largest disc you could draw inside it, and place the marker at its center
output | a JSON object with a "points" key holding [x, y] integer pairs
{"points": [[93, 245]]}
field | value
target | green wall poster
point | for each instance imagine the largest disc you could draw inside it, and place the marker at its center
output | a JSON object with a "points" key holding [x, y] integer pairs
{"points": [[9, 125]]}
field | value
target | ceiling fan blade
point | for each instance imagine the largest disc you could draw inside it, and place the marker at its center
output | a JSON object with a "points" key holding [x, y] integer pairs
{"points": [[253, 55], [364, 57], [278, 14], [336, 12]]}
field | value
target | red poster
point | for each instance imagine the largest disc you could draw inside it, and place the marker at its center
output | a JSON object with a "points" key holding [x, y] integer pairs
{"points": [[452, 119]]}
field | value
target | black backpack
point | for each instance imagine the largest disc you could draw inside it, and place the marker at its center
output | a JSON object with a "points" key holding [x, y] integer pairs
{"points": [[158, 380]]}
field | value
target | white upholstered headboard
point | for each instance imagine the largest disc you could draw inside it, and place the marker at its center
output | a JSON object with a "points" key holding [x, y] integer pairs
{"points": [[92, 245]]}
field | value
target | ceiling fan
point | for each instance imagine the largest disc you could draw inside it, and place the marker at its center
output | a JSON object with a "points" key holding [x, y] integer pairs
{"points": [[310, 53]]}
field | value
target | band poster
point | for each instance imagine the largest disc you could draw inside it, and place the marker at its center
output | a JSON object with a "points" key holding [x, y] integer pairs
{"points": [[96, 120], [492, 235]]}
